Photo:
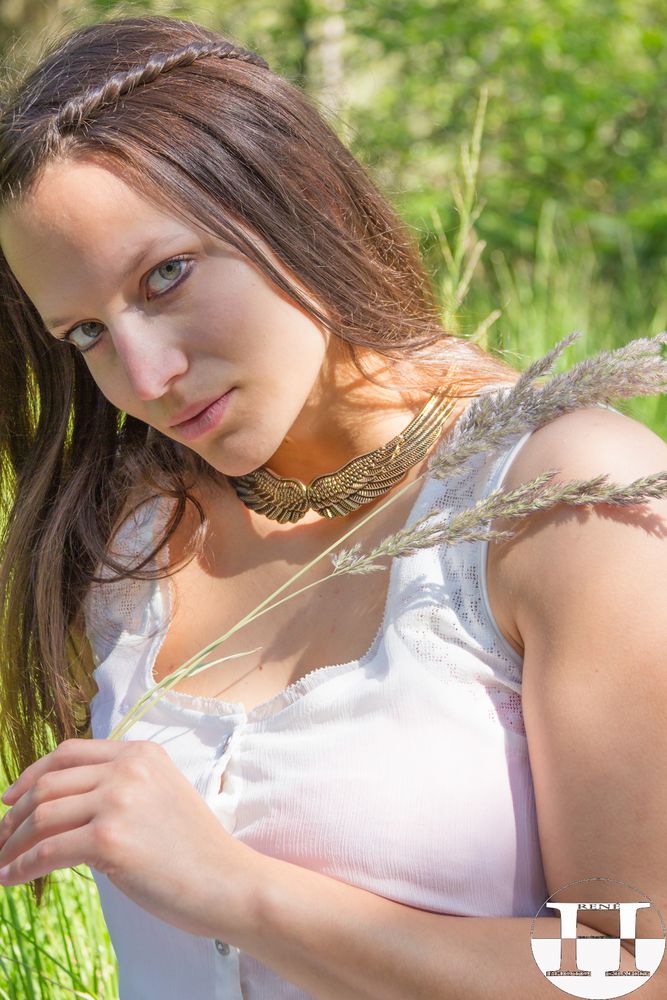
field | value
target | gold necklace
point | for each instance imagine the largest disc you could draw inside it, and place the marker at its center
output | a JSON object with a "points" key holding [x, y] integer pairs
{"points": [[358, 482]]}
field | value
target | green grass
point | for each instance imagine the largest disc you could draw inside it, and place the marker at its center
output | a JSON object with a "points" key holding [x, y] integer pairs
{"points": [[521, 307], [61, 950], [562, 289]]}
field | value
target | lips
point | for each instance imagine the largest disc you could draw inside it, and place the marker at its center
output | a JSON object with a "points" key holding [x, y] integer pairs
{"points": [[193, 410], [204, 422]]}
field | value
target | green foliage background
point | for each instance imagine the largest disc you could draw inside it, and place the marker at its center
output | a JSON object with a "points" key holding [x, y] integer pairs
{"points": [[561, 225], [576, 97]]}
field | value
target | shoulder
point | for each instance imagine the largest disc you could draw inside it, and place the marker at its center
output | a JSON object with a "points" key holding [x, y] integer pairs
{"points": [[588, 441], [588, 600], [566, 547]]}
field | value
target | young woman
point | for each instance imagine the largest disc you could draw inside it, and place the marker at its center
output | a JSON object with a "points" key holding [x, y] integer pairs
{"points": [[205, 302]]}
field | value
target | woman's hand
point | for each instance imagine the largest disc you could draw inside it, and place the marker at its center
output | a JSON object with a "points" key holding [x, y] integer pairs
{"points": [[124, 808]]}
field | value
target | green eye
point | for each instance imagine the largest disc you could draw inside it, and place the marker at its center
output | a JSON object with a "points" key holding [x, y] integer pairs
{"points": [[174, 275], [69, 336], [170, 266]]}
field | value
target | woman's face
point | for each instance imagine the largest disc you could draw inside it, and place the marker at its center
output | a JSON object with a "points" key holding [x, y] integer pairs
{"points": [[159, 334]]}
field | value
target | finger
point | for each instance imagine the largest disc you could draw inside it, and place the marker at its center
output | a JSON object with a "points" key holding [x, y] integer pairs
{"points": [[53, 785], [65, 850], [47, 820], [70, 753], [65, 754]]}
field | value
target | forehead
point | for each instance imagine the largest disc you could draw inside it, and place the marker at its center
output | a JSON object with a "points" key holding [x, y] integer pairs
{"points": [[78, 233], [68, 233], [82, 208], [75, 204]]}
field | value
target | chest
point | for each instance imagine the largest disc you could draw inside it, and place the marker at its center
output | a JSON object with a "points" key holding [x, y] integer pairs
{"points": [[325, 622], [334, 622]]}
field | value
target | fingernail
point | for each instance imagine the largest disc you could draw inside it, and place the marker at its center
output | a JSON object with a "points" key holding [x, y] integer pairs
{"points": [[3, 873], [6, 792]]}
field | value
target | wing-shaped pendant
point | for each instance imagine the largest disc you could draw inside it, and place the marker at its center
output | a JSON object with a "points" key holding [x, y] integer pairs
{"points": [[357, 482], [369, 476], [278, 498]]}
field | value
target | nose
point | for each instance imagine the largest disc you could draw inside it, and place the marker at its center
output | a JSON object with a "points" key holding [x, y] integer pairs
{"points": [[150, 354]]}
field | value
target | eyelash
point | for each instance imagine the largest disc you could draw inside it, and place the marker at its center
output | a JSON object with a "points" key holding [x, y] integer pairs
{"points": [[66, 337]]}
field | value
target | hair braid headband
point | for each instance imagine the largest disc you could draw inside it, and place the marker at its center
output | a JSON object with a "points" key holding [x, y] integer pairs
{"points": [[77, 109]]}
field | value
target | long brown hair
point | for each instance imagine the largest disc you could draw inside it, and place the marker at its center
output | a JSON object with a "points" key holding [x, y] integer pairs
{"points": [[201, 126]]}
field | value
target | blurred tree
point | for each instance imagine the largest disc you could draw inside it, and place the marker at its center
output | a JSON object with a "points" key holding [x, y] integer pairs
{"points": [[576, 109], [24, 20]]}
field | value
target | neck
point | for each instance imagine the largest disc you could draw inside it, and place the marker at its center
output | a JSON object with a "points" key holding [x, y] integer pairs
{"points": [[261, 495], [345, 416]]}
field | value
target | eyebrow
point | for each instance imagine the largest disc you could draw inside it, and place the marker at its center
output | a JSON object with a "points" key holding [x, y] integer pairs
{"points": [[136, 261]]}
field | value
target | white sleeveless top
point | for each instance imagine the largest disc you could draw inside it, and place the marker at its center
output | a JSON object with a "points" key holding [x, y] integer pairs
{"points": [[405, 772]]}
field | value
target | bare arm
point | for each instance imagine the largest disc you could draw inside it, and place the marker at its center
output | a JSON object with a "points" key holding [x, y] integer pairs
{"points": [[595, 703], [339, 942]]}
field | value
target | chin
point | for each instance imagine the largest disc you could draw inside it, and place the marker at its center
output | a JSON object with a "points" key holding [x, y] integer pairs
{"points": [[238, 467], [238, 453]]}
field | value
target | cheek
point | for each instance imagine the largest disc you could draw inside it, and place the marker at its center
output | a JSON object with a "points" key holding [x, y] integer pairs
{"points": [[113, 387]]}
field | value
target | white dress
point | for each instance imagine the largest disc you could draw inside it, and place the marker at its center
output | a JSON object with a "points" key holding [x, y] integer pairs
{"points": [[405, 772]]}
